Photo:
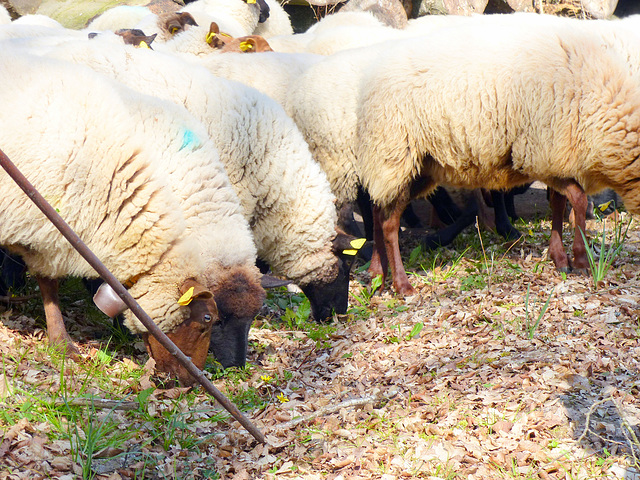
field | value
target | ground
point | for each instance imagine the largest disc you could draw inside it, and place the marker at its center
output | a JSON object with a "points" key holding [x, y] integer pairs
{"points": [[499, 367]]}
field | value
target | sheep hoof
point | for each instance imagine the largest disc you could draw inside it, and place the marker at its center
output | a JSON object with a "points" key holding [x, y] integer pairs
{"points": [[580, 271], [405, 290]]}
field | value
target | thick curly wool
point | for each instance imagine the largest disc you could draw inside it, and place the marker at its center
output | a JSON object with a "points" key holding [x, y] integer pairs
{"points": [[120, 16], [272, 73], [475, 110], [235, 17], [323, 103], [124, 210], [278, 22], [285, 196]]}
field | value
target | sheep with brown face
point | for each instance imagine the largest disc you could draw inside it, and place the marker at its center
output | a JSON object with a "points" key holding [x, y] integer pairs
{"points": [[140, 181]]}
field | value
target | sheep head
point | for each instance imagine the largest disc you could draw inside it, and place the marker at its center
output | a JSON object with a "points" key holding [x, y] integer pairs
{"points": [[192, 336], [264, 9], [332, 296], [239, 296], [176, 22], [228, 44], [136, 37]]}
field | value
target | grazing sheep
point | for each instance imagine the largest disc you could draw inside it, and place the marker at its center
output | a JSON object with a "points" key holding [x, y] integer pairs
{"points": [[285, 195], [95, 166], [494, 106]]}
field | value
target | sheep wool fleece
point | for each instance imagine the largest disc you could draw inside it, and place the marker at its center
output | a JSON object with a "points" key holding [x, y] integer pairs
{"points": [[284, 195], [495, 107], [84, 155]]}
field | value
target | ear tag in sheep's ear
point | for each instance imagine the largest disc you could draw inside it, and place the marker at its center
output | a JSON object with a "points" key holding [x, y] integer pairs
{"points": [[249, 2], [246, 46], [225, 35], [209, 38], [144, 44], [356, 244], [604, 206], [185, 299], [174, 30]]}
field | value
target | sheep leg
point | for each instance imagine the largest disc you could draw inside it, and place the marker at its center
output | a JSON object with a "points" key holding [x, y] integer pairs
{"points": [[579, 201], [379, 261], [557, 254], [56, 331], [390, 221], [503, 224]]}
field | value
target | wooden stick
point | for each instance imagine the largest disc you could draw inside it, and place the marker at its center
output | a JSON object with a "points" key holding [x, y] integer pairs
{"points": [[108, 277]]}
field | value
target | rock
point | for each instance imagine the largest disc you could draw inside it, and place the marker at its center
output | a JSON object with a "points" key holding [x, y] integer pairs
{"points": [[389, 12]]}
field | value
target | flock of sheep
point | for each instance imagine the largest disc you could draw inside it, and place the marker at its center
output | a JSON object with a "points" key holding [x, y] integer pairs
{"points": [[182, 164]]}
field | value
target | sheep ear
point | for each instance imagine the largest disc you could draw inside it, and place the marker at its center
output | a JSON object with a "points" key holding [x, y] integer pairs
{"points": [[108, 301], [187, 19], [268, 281], [212, 37], [191, 289], [347, 244], [248, 45]]}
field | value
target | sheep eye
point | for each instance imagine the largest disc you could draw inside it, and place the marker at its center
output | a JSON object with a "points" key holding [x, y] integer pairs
{"points": [[207, 318]]}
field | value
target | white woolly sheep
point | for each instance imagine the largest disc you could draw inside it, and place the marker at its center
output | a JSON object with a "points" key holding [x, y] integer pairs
{"points": [[95, 166], [278, 22], [285, 195], [495, 107], [235, 17], [120, 16]]}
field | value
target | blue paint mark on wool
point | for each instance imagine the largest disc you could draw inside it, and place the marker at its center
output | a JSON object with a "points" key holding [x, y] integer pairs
{"points": [[190, 140]]}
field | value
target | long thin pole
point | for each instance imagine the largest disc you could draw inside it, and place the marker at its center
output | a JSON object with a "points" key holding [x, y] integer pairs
{"points": [[108, 277]]}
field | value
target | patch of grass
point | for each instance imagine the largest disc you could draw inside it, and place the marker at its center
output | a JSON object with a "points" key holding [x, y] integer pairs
{"points": [[601, 265], [532, 325]]}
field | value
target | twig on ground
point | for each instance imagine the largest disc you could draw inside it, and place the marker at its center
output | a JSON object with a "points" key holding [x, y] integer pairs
{"points": [[329, 409]]}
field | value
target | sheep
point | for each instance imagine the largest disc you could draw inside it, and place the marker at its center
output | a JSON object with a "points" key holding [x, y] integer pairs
{"points": [[278, 22], [120, 16], [498, 106], [100, 177], [285, 195], [235, 17]]}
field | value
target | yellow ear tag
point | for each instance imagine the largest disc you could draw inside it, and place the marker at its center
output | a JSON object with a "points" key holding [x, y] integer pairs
{"points": [[349, 252], [225, 35], [604, 206], [244, 46], [185, 299], [173, 30], [249, 2], [210, 37], [144, 45], [358, 243]]}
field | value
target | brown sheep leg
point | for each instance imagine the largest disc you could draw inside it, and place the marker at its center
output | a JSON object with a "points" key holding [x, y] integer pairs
{"points": [[390, 228], [379, 261], [56, 331], [579, 201], [556, 250]]}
